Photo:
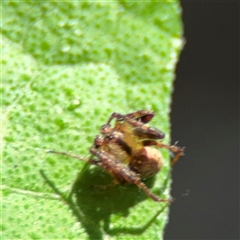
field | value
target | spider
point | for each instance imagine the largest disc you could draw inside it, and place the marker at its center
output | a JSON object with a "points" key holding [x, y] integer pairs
{"points": [[127, 151]]}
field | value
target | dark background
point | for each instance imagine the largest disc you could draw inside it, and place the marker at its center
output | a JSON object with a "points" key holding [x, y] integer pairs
{"points": [[205, 119]]}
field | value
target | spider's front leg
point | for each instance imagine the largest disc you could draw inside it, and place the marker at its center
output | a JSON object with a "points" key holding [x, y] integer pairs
{"points": [[143, 116], [81, 158], [121, 172], [133, 123], [146, 132]]}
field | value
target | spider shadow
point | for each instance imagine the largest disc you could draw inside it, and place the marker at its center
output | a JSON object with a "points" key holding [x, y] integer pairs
{"points": [[97, 205], [93, 206]]}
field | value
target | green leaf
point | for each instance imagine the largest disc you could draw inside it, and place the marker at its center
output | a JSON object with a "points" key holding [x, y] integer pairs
{"points": [[66, 67]]}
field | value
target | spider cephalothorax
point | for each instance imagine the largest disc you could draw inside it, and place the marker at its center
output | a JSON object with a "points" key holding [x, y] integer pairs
{"points": [[127, 150]]}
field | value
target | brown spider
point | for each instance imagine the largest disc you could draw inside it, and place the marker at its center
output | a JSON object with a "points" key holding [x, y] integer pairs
{"points": [[128, 151]]}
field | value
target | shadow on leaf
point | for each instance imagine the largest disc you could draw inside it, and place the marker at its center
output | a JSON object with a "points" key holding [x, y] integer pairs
{"points": [[94, 206]]}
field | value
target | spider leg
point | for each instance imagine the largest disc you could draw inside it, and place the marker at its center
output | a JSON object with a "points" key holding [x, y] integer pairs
{"points": [[118, 117], [143, 116], [173, 148], [106, 129], [146, 132], [122, 173], [142, 186], [74, 156], [133, 123], [179, 152]]}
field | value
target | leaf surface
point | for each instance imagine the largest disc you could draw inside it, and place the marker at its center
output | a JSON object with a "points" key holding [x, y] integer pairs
{"points": [[66, 68]]}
